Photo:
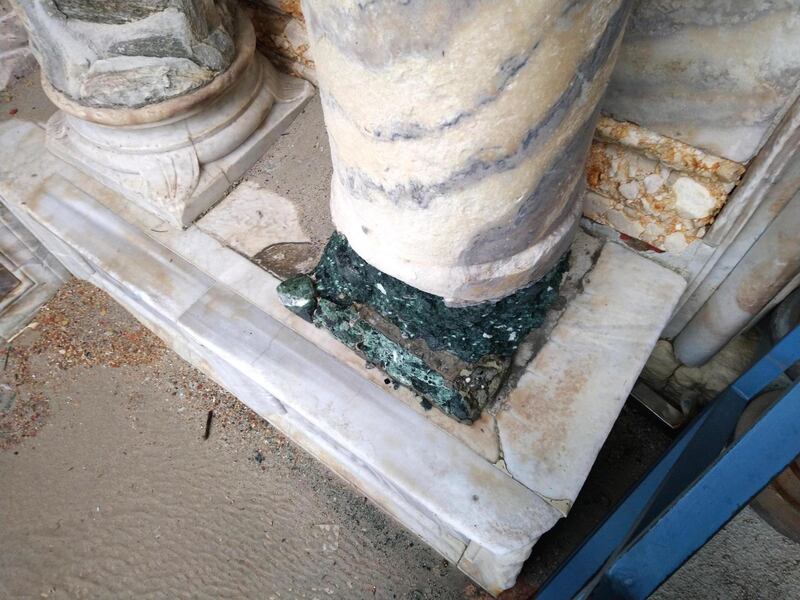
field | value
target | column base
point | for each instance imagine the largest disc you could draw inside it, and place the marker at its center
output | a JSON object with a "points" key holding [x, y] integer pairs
{"points": [[180, 167], [456, 358], [461, 284]]}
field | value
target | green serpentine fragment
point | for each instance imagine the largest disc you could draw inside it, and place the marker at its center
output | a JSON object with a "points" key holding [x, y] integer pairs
{"points": [[393, 359], [466, 352], [299, 295]]}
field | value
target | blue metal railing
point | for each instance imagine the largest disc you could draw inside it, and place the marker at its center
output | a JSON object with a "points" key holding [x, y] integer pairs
{"points": [[694, 489]]}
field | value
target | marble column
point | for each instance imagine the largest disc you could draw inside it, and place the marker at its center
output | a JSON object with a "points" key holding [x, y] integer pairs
{"points": [[716, 74], [157, 97], [459, 131]]}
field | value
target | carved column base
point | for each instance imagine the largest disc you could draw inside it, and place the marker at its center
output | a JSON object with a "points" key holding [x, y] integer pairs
{"points": [[180, 166]]}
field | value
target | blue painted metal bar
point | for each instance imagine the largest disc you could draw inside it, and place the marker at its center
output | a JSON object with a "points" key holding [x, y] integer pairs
{"points": [[739, 474], [592, 570]]}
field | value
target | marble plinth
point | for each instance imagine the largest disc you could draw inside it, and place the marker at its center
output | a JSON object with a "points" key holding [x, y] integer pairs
{"points": [[179, 167], [458, 171], [481, 503]]}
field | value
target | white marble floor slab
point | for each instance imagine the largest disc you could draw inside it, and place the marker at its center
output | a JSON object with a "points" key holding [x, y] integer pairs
{"points": [[251, 218], [443, 480], [576, 385]]}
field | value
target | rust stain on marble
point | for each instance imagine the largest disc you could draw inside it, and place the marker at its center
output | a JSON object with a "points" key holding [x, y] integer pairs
{"points": [[282, 36], [292, 7], [546, 403]]}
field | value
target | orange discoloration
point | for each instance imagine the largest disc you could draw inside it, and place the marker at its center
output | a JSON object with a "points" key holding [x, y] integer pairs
{"points": [[633, 172], [283, 51], [669, 151], [597, 167], [292, 7]]}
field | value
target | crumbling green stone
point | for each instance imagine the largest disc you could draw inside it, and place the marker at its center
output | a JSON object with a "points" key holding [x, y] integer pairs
{"points": [[470, 332], [397, 362], [299, 296], [455, 358]]}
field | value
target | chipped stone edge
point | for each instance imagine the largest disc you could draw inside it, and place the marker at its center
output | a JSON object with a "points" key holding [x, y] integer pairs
{"points": [[39, 273], [674, 204]]}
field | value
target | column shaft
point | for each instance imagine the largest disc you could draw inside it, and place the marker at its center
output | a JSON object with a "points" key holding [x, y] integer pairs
{"points": [[459, 131]]}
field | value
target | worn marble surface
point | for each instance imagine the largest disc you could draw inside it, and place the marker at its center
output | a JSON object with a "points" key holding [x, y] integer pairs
{"points": [[252, 218], [584, 373], [16, 59], [716, 74], [467, 183], [222, 313], [127, 54]]}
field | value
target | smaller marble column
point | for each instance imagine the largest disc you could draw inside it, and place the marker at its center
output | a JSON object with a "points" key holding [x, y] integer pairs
{"points": [[161, 100], [459, 132]]}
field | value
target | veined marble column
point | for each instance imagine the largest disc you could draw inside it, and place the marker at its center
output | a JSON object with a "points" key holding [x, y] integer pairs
{"points": [[715, 74], [459, 131], [157, 97]]}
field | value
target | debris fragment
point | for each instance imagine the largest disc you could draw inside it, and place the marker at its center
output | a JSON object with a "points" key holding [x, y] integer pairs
{"points": [[33, 325], [208, 424]]}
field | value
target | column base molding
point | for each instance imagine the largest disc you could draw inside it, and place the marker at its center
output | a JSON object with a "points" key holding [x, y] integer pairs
{"points": [[180, 167]]}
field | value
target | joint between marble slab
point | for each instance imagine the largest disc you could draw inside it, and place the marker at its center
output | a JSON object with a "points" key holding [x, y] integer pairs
{"points": [[563, 506], [524, 466], [498, 439], [463, 552], [30, 248]]}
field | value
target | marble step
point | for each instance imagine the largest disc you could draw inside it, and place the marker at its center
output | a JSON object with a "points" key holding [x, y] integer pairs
{"points": [[29, 275], [481, 495]]}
